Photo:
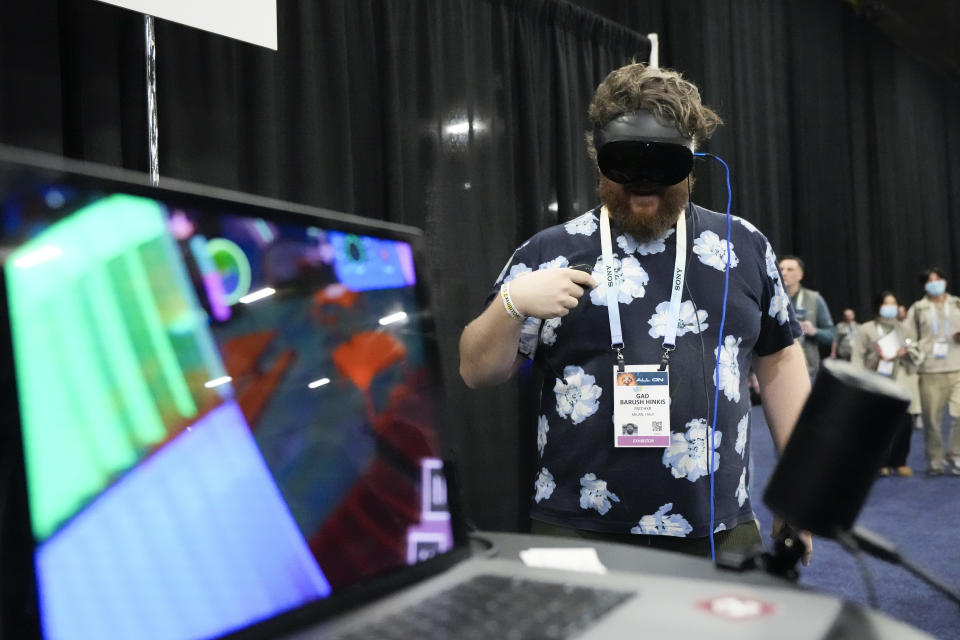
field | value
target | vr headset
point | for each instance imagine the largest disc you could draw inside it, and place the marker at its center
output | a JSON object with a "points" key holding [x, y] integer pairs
{"points": [[635, 148]]}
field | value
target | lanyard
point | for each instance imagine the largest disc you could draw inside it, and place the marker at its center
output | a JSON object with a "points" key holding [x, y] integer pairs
{"points": [[613, 303], [935, 322]]}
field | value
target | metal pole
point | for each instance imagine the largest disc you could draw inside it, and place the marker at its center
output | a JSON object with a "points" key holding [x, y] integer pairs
{"points": [[153, 147], [654, 49]]}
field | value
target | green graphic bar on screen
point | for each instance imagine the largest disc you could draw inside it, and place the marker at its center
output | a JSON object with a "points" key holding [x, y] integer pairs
{"points": [[87, 410], [172, 373], [194, 319]]}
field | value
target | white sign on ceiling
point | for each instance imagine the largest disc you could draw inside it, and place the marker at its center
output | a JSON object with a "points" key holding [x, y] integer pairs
{"points": [[253, 21]]}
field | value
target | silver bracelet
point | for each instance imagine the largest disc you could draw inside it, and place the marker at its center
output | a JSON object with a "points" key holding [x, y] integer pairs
{"points": [[508, 303]]}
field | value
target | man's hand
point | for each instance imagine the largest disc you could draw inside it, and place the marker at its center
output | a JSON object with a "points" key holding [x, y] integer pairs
{"points": [[808, 327], [549, 293], [805, 536]]}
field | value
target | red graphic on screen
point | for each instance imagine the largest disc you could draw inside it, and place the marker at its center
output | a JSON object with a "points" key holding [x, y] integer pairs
{"points": [[328, 299], [336, 294], [367, 533], [254, 387], [365, 355]]}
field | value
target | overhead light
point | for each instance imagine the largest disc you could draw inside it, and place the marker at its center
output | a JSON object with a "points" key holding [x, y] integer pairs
{"points": [[463, 126], [318, 383], [259, 294], [457, 128]]}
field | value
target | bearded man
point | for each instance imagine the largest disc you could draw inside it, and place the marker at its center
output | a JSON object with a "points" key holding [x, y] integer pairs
{"points": [[637, 286]]}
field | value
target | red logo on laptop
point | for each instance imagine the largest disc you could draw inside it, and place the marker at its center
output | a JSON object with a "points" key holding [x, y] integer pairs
{"points": [[736, 607]]}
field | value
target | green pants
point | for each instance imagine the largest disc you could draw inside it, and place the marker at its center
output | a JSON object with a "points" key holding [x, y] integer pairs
{"points": [[743, 537]]}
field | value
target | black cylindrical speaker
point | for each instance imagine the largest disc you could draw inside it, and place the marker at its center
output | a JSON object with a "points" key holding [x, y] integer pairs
{"points": [[838, 445]]}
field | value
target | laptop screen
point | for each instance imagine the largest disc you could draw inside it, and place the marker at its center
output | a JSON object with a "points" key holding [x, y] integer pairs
{"points": [[227, 407]]}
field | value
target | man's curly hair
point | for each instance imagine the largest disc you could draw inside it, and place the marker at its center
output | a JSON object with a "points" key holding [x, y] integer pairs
{"points": [[671, 99]]}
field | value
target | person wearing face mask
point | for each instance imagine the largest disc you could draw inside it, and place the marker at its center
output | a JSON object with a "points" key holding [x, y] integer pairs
{"points": [[934, 322], [882, 346]]}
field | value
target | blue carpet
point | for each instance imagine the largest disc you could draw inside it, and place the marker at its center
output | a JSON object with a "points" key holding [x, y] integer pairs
{"points": [[919, 515]]}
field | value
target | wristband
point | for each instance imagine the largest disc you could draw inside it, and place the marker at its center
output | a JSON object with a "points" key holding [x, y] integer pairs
{"points": [[508, 303]]}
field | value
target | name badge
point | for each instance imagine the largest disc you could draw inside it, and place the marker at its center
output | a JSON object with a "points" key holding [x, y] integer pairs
{"points": [[940, 348], [641, 407], [885, 367]]}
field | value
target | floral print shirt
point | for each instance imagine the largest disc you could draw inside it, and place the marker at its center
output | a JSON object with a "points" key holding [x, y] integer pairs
{"points": [[583, 480]]}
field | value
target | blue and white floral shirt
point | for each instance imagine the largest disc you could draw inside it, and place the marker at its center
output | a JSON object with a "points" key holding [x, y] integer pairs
{"points": [[583, 481]]}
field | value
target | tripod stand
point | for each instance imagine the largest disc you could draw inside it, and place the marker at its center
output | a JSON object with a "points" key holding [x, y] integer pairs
{"points": [[861, 540]]}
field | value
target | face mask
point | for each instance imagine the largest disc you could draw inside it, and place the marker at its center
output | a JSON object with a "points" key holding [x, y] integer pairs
{"points": [[936, 287], [888, 311]]}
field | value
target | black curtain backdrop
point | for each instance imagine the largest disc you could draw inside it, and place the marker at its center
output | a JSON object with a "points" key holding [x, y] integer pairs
{"points": [[844, 149], [462, 117]]}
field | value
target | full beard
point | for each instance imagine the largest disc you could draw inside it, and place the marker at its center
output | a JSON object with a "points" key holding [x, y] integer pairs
{"points": [[644, 227]]}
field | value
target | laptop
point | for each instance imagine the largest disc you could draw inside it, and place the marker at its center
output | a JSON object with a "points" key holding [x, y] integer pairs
{"points": [[225, 419]]}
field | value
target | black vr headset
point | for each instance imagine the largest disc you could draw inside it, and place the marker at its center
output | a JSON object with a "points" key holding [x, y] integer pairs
{"points": [[635, 148]]}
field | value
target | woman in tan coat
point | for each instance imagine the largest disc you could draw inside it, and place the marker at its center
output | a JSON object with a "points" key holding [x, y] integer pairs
{"points": [[880, 345]]}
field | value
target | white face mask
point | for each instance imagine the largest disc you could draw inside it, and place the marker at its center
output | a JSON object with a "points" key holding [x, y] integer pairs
{"points": [[935, 287], [888, 311]]}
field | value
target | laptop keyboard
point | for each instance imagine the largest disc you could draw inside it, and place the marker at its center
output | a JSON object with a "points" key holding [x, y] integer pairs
{"points": [[487, 607]]}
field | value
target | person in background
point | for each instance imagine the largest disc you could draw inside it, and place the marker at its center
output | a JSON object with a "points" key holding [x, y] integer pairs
{"points": [[911, 381], [846, 330], [880, 345], [811, 310], [934, 322]]}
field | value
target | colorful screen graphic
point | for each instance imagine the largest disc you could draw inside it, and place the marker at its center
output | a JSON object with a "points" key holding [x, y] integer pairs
{"points": [[363, 263], [224, 417]]}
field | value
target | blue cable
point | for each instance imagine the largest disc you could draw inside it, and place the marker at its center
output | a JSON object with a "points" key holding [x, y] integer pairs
{"points": [[716, 371]]}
